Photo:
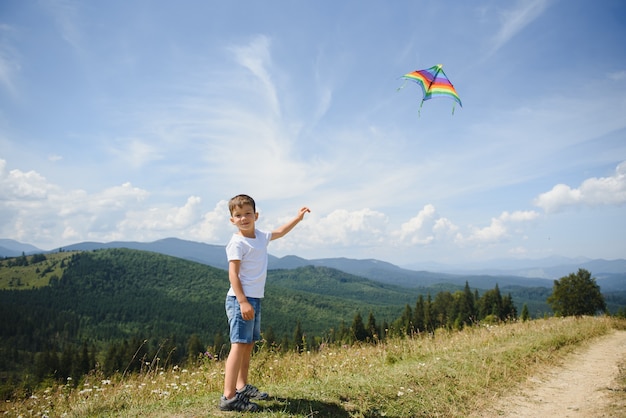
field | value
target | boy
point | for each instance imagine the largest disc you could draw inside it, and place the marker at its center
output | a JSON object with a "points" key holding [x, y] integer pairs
{"points": [[247, 270]]}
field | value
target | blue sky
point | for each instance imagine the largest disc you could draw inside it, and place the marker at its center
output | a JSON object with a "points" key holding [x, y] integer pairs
{"points": [[138, 120]]}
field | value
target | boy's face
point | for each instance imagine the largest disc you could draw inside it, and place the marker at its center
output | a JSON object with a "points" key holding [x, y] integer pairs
{"points": [[244, 218]]}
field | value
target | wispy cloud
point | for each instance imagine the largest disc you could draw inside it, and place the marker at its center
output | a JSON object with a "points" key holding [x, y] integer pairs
{"points": [[514, 20], [9, 61], [256, 57], [618, 75], [66, 14], [135, 152]]}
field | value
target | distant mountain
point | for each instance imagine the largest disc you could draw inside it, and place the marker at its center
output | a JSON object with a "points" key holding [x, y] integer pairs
{"points": [[611, 274], [212, 255], [12, 248], [548, 268]]}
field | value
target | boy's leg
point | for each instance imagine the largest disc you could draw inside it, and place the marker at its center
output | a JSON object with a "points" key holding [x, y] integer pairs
{"points": [[231, 400], [238, 361], [239, 354], [242, 377]]}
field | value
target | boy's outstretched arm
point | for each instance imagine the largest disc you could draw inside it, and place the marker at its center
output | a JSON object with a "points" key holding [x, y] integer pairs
{"points": [[283, 230]]}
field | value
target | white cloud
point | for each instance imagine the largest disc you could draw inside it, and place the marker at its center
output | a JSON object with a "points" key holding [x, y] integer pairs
{"points": [[424, 227], [70, 234], [167, 219], [18, 185], [519, 216], [498, 230], [41, 211], [592, 192], [214, 227], [341, 227]]}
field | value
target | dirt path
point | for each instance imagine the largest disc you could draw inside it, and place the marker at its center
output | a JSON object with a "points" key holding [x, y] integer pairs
{"points": [[585, 386]]}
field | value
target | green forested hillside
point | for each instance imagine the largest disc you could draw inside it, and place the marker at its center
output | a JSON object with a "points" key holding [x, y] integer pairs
{"points": [[330, 282], [120, 309], [322, 298], [119, 293], [111, 306]]}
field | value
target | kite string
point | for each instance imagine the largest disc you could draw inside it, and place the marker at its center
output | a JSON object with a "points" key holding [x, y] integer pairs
{"points": [[419, 111]]}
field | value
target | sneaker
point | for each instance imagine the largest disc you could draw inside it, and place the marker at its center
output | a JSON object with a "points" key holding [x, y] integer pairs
{"points": [[252, 392], [238, 403]]}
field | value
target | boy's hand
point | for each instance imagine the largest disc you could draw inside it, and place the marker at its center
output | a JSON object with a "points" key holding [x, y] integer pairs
{"points": [[281, 231], [247, 311], [303, 210]]}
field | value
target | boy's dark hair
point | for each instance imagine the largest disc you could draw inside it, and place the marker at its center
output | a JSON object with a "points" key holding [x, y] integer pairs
{"points": [[240, 200]]}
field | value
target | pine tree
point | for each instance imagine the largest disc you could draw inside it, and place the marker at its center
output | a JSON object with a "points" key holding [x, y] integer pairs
{"points": [[372, 329], [195, 348], [298, 339], [491, 303], [406, 321], [428, 314], [269, 336], [218, 344], [419, 322], [84, 363], [358, 330], [508, 310], [467, 308], [525, 315]]}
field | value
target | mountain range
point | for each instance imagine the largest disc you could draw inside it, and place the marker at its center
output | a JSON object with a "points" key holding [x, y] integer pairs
{"points": [[610, 274]]}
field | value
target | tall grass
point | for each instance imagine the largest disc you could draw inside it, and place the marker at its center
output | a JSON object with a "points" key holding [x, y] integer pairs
{"points": [[448, 374]]}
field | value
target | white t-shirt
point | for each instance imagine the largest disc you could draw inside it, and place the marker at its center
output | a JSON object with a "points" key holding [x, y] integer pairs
{"points": [[252, 252]]}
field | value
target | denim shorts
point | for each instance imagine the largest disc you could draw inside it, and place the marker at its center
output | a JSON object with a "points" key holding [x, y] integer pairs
{"points": [[242, 331]]}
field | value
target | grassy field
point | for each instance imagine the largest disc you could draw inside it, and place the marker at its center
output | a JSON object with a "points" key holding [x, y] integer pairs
{"points": [[449, 374], [32, 275]]}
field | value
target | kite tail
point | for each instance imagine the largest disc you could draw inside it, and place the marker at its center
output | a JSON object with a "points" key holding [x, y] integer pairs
{"points": [[453, 107], [419, 111], [402, 86]]}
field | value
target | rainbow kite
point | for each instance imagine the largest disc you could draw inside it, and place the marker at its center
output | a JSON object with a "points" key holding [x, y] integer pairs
{"points": [[434, 83]]}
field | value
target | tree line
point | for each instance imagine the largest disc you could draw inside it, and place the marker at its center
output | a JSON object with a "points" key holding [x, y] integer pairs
{"points": [[447, 310]]}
